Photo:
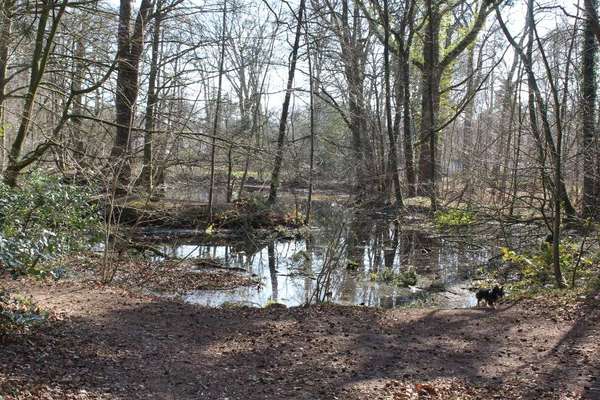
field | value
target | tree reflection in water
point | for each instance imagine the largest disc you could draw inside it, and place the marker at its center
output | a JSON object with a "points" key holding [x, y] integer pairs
{"points": [[343, 260]]}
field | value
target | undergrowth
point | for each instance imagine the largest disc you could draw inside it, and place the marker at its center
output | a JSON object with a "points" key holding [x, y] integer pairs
{"points": [[454, 217], [19, 315]]}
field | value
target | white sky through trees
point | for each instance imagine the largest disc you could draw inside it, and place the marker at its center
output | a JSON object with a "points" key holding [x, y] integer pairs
{"points": [[550, 14]]}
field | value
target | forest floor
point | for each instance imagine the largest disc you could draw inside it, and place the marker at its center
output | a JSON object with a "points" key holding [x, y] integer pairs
{"points": [[109, 343]]}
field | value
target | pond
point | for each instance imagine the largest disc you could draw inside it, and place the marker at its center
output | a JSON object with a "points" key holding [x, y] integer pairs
{"points": [[354, 260]]}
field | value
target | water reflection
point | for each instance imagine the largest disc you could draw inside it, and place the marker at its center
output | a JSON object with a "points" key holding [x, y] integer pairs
{"points": [[344, 262]]}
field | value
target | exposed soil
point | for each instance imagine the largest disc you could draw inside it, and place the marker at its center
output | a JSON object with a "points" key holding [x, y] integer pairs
{"points": [[106, 343]]}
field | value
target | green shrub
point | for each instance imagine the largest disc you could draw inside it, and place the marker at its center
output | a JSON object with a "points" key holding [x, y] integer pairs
{"points": [[41, 220], [18, 314], [536, 267], [454, 217], [407, 278], [387, 275], [401, 279]]}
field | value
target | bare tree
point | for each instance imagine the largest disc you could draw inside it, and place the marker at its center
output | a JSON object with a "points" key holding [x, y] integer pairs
{"points": [[217, 115], [286, 105], [147, 174]]}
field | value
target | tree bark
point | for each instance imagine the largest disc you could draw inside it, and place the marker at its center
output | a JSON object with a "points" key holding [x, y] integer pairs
{"points": [[468, 149], [409, 157], [6, 18], [129, 50], [591, 184], [285, 109], [348, 30], [433, 68], [217, 114], [77, 84], [312, 128], [430, 87], [147, 174], [388, 109]]}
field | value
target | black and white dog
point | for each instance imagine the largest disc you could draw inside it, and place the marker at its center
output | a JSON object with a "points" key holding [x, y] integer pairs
{"points": [[490, 296]]}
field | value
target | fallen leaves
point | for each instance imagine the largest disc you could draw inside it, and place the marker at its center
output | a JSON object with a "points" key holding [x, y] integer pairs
{"points": [[141, 347], [438, 389]]}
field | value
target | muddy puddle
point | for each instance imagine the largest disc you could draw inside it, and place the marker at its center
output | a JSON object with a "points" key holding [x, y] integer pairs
{"points": [[351, 260]]}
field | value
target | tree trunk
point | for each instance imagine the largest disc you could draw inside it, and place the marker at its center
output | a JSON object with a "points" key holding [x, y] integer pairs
{"points": [[43, 46], [468, 148], [6, 18], [388, 110], [285, 109], [312, 128], [217, 114], [77, 133], [230, 182], [432, 70], [409, 157], [129, 51], [147, 174], [429, 103], [591, 186]]}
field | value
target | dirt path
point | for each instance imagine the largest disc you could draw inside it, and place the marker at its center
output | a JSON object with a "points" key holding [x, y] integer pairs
{"points": [[109, 344]]}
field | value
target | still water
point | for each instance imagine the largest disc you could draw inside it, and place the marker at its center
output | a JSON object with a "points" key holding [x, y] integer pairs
{"points": [[353, 260]]}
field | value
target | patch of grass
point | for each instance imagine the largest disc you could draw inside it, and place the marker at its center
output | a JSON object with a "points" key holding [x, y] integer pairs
{"points": [[151, 205], [419, 300]]}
